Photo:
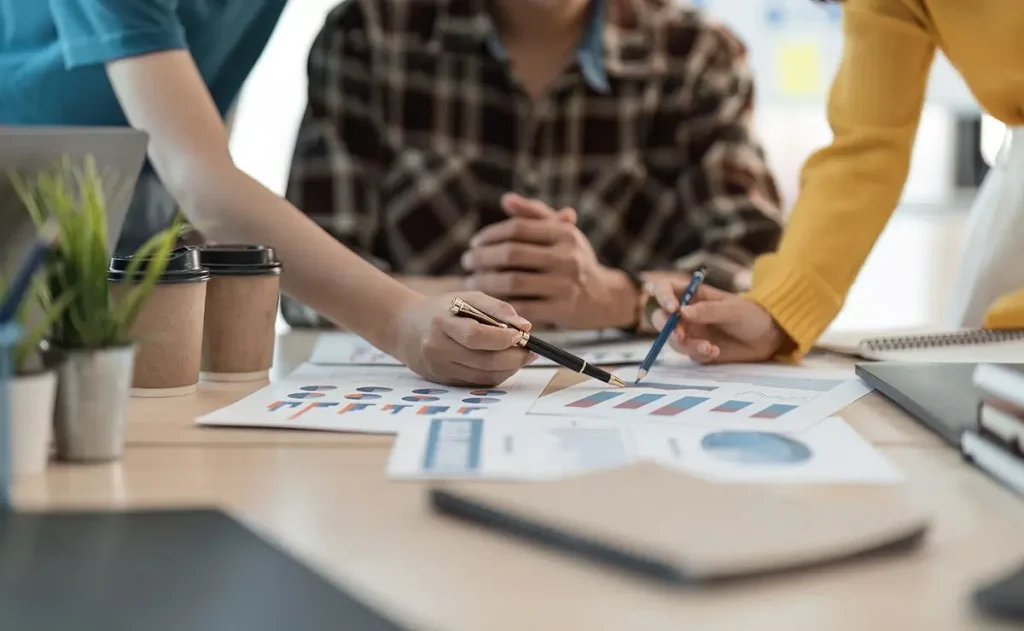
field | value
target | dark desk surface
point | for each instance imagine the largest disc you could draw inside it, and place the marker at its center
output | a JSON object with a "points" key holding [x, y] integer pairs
{"points": [[198, 570]]}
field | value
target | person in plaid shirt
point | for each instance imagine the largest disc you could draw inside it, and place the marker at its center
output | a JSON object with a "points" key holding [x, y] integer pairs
{"points": [[554, 154]]}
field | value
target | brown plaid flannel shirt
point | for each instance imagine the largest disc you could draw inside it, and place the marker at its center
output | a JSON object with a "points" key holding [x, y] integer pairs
{"points": [[414, 129]]}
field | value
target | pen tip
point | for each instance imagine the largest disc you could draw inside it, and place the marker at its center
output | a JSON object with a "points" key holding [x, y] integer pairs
{"points": [[618, 382]]}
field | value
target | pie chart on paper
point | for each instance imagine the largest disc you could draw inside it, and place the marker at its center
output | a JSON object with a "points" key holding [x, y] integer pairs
{"points": [[755, 448]]}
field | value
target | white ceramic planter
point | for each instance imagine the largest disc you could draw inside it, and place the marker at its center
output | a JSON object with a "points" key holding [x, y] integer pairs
{"points": [[92, 400], [31, 399]]}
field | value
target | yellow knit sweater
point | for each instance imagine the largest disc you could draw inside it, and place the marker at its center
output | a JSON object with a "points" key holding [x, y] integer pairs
{"points": [[850, 188]]}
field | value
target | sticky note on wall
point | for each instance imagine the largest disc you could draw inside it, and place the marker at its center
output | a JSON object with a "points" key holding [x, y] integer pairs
{"points": [[799, 68]]}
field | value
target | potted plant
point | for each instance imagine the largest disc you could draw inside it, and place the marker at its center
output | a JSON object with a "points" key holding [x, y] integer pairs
{"points": [[33, 387], [91, 335]]}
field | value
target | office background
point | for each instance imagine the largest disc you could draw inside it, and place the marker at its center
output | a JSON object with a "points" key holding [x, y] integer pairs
{"points": [[794, 46]]}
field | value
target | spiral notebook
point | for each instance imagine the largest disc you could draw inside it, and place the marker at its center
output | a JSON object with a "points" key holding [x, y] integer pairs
{"points": [[968, 345]]}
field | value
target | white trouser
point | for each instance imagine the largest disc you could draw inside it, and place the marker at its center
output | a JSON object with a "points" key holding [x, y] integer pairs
{"points": [[992, 263]]}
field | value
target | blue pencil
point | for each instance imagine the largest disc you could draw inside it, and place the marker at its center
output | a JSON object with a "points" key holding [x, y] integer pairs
{"points": [[673, 320], [23, 277]]}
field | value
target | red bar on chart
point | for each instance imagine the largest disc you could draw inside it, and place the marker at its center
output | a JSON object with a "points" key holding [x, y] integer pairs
{"points": [[639, 401], [277, 405], [679, 406], [774, 411], [731, 406], [469, 409], [591, 400], [432, 409], [394, 409]]}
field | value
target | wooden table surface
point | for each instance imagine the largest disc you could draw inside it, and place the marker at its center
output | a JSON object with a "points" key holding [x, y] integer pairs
{"points": [[326, 498]]}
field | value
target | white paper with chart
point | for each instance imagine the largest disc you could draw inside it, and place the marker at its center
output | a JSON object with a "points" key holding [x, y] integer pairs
{"points": [[827, 452], [341, 349], [734, 396], [376, 400]]}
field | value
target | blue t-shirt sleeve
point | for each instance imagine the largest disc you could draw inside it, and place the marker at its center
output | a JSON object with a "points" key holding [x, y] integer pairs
{"points": [[98, 31]]}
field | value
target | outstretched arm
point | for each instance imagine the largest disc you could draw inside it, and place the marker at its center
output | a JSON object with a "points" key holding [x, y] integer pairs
{"points": [[849, 192], [163, 94]]}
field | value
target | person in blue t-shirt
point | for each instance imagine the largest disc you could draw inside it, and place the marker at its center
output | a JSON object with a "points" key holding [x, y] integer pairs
{"points": [[173, 68]]}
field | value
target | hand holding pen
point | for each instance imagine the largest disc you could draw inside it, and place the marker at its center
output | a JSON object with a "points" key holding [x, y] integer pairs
{"points": [[668, 327], [530, 342], [716, 326]]}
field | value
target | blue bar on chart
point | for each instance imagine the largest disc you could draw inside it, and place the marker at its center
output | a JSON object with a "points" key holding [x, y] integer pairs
{"points": [[591, 400], [394, 409], [432, 409], [679, 406], [453, 445], [354, 407], [731, 406], [774, 411], [639, 401]]}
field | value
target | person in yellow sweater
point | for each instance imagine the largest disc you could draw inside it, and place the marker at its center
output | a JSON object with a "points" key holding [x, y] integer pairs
{"points": [[851, 187]]}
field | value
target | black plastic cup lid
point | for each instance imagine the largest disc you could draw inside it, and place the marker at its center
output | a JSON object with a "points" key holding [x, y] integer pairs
{"points": [[183, 266], [240, 260]]}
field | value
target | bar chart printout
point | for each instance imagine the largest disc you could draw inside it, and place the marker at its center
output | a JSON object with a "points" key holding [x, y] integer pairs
{"points": [[372, 399], [752, 398]]}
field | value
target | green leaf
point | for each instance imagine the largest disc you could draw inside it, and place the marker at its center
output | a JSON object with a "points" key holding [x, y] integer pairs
{"points": [[157, 250], [74, 293]]}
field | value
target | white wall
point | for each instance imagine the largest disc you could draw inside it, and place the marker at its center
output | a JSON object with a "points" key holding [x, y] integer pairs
{"points": [[273, 98]]}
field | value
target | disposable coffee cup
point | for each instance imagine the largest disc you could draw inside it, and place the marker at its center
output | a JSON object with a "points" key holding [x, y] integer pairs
{"points": [[241, 311], [169, 330]]}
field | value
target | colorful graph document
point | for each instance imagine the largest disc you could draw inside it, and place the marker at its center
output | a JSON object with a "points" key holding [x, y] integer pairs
{"points": [[342, 349], [376, 400], [739, 397], [828, 452]]}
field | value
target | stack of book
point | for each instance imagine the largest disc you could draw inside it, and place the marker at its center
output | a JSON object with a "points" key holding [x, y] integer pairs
{"points": [[997, 445]]}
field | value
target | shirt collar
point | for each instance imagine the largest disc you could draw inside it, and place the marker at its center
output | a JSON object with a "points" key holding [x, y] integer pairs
{"points": [[589, 52]]}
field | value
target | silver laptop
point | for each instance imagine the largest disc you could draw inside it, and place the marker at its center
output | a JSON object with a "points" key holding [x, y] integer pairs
{"points": [[119, 153]]}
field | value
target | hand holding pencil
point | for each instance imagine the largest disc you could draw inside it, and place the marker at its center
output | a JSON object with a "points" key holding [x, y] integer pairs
{"points": [[717, 326]]}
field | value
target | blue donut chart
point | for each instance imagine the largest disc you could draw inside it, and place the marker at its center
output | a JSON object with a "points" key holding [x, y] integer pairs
{"points": [[480, 400]]}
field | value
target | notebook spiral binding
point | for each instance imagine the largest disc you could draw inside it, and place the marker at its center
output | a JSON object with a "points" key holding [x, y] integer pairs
{"points": [[959, 338]]}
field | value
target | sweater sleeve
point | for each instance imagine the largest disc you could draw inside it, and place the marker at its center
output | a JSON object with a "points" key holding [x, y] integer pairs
{"points": [[850, 188]]}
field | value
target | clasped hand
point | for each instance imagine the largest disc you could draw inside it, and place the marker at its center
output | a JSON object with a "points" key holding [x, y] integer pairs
{"points": [[540, 262]]}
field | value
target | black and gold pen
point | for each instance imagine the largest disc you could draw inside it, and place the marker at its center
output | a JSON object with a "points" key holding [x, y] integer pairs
{"points": [[460, 307]]}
